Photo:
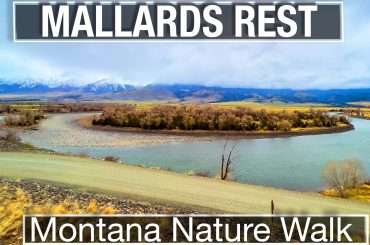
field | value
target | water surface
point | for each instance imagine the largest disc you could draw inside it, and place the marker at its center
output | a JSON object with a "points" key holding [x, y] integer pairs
{"points": [[293, 163]]}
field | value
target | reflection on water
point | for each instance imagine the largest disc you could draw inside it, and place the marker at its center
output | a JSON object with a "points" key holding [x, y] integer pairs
{"points": [[293, 163]]}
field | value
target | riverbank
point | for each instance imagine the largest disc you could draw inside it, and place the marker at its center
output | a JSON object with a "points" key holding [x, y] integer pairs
{"points": [[9, 142], [163, 187], [362, 193], [293, 163], [86, 122]]}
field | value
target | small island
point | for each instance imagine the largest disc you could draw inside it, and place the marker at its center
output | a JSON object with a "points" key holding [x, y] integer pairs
{"points": [[209, 120]]}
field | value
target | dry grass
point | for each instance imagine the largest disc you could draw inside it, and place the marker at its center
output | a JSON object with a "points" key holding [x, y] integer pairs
{"points": [[273, 106], [361, 193], [366, 113], [358, 112], [14, 203], [277, 106]]}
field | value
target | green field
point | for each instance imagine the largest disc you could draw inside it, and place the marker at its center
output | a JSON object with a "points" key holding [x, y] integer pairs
{"points": [[167, 187]]}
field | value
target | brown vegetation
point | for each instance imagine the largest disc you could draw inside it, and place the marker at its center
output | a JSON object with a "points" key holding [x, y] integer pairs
{"points": [[73, 107], [343, 175], [363, 113], [52, 107], [14, 203], [9, 136], [24, 119], [28, 197], [111, 159], [359, 193], [208, 117]]}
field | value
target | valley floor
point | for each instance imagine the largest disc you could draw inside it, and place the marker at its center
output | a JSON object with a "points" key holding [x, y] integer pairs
{"points": [[162, 187]]}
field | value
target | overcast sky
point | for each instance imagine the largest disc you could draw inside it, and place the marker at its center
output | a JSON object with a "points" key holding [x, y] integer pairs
{"points": [[267, 65]]}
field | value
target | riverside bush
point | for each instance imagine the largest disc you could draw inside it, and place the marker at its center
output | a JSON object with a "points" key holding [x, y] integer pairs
{"points": [[24, 119], [111, 159]]}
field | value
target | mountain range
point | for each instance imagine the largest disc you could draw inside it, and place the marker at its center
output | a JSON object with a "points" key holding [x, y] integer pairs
{"points": [[110, 90]]}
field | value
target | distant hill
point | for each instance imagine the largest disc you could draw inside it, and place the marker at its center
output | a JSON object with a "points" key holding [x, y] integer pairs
{"points": [[110, 90], [332, 96]]}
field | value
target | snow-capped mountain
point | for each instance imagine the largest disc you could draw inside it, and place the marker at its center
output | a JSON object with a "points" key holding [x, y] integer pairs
{"points": [[106, 86], [30, 87], [113, 90]]}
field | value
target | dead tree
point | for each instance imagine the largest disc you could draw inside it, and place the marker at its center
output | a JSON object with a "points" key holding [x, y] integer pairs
{"points": [[226, 160]]}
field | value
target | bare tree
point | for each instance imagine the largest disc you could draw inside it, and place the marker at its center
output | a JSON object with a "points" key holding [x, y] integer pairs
{"points": [[342, 175], [9, 135], [226, 160]]}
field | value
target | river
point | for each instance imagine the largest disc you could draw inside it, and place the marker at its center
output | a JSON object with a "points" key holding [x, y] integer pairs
{"points": [[292, 163]]}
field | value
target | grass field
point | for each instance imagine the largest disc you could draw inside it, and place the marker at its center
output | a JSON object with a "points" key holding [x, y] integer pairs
{"points": [[276, 106], [167, 187], [269, 106], [363, 112], [272, 106]]}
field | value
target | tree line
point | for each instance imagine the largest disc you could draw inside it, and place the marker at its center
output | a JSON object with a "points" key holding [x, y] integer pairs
{"points": [[212, 117], [52, 107]]}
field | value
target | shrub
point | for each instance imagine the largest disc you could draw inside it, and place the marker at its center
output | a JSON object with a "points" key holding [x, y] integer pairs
{"points": [[198, 173], [342, 175], [10, 136], [82, 155], [111, 159], [23, 119], [202, 174], [284, 125]]}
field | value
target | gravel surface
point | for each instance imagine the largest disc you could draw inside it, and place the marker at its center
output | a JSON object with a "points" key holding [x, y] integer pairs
{"points": [[41, 193]]}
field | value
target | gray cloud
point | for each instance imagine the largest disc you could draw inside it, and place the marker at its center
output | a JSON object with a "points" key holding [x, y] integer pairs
{"points": [[293, 65]]}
